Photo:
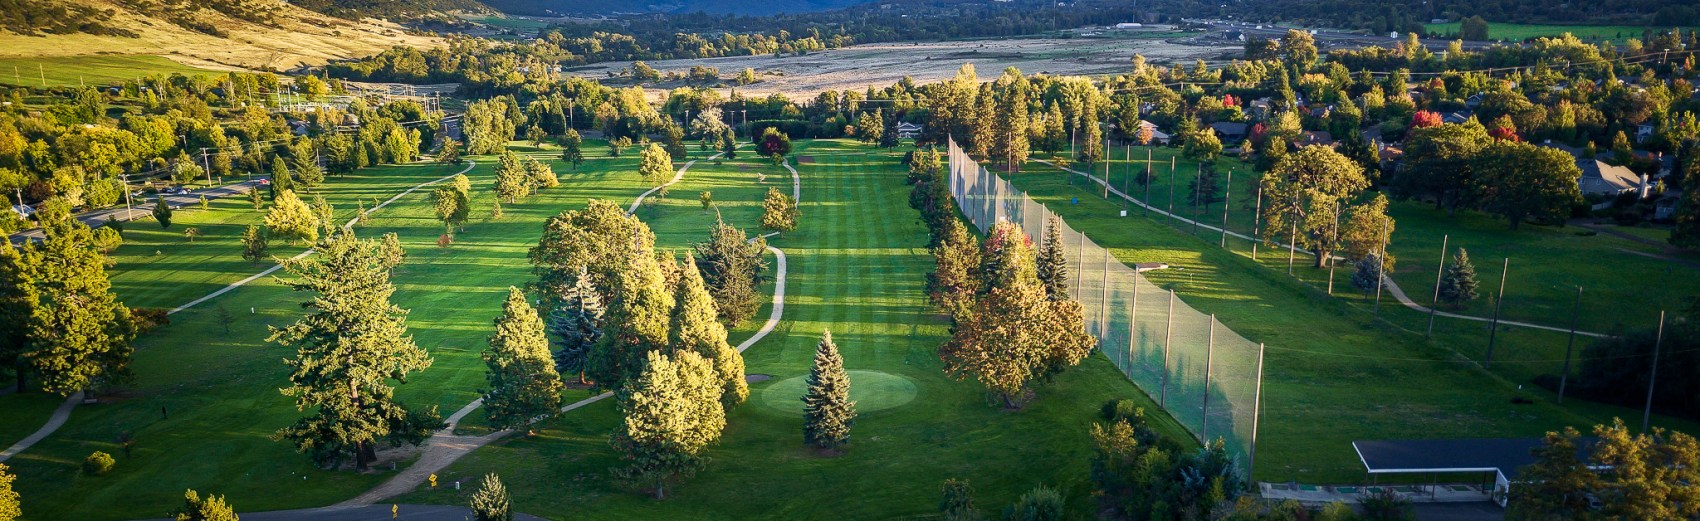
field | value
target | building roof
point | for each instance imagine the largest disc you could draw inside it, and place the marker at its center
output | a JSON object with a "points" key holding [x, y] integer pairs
{"points": [[907, 126], [1228, 128], [1599, 177], [1503, 455]]}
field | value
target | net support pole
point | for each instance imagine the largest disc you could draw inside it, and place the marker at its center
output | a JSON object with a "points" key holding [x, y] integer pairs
{"points": [[1104, 303], [1133, 321], [1653, 377], [1256, 219], [1147, 177], [1380, 268], [1256, 412], [1209, 360], [1127, 182], [1293, 241], [1435, 303], [1498, 302], [1227, 195], [1168, 335], [1171, 186], [1564, 376], [1197, 196], [1079, 273]]}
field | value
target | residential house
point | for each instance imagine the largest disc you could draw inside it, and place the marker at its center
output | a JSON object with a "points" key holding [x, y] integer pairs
{"points": [[1314, 137], [907, 130], [1643, 131], [1457, 117], [1475, 100], [1158, 137], [1230, 132], [1601, 178]]}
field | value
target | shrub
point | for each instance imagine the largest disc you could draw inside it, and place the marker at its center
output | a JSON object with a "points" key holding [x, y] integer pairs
{"points": [[147, 319], [98, 464]]}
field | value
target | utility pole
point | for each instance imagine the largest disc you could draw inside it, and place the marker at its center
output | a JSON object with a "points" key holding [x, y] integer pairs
{"points": [[1497, 303], [1381, 266], [1653, 377], [1433, 304], [1564, 376]]}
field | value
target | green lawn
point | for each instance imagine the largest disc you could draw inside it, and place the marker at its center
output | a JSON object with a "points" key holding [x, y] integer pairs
{"points": [[1331, 357], [219, 389], [28, 410], [1520, 32], [857, 265], [88, 70]]}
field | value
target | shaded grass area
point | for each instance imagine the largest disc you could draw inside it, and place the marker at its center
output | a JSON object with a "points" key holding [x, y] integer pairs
{"points": [[1336, 371], [205, 400], [94, 71], [29, 410], [857, 265]]}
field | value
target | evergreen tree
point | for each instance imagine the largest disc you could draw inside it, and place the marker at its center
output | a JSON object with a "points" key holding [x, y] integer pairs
{"points": [[731, 266], [304, 163], [290, 218], [577, 325], [524, 386], [1040, 504], [888, 135], [254, 244], [350, 348], [1052, 262], [79, 334], [1013, 333], [450, 153], [490, 502], [255, 199], [540, 175], [572, 148], [779, 211], [1091, 136], [672, 413], [675, 140], [1052, 134], [510, 177], [162, 212], [210, 508], [18, 300], [958, 502], [695, 328], [828, 412], [390, 251], [11, 508], [323, 211], [1009, 123], [956, 274], [655, 166], [1458, 285], [1368, 270], [639, 308], [280, 175]]}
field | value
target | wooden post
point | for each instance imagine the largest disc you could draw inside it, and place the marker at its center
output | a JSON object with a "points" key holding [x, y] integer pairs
{"points": [[1564, 376], [1653, 377], [1227, 196], [1197, 194], [1498, 302], [1434, 304], [1381, 267], [1171, 186]]}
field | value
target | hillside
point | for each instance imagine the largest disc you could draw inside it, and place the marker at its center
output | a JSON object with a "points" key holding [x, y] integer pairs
{"points": [[601, 7], [217, 34]]}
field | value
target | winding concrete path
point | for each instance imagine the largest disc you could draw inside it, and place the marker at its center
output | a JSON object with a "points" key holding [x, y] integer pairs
{"points": [[63, 413], [1387, 282], [445, 447]]}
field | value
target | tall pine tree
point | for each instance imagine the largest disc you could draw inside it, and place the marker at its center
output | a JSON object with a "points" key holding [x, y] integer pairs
{"points": [[490, 502], [1052, 263], [350, 348], [1009, 142], [79, 333], [828, 412], [639, 310], [18, 300], [524, 386], [577, 325], [731, 266], [695, 328]]}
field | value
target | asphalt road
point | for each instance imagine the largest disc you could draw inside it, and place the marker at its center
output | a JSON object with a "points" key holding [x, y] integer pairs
{"points": [[143, 209], [371, 513], [1339, 39]]}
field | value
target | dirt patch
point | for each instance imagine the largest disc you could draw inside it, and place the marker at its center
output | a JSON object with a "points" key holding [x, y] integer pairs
{"points": [[753, 378], [805, 160]]}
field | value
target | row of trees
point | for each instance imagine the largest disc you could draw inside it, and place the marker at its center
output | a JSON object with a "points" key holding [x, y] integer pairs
{"points": [[1460, 166]]}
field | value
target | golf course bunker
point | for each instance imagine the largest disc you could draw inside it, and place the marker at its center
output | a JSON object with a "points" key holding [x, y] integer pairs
{"points": [[871, 390]]}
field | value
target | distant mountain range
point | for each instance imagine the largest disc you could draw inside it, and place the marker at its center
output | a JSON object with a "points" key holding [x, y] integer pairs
{"points": [[603, 7]]}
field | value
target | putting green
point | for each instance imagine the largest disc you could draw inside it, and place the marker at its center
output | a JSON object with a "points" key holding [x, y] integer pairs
{"points": [[871, 390]]}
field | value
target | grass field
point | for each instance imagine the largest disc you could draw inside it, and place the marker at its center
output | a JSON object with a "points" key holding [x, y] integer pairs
{"points": [[1520, 32], [205, 401], [1332, 357], [88, 70], [857, 265]]}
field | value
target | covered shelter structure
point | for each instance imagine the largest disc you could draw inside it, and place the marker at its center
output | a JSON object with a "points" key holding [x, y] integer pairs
{"points": [[1498, 459]]}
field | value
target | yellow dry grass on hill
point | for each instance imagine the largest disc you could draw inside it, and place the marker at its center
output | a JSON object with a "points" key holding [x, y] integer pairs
{"points": [[302, 38]]}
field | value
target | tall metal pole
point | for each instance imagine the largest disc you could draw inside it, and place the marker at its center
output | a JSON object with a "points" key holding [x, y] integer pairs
{"points": [[1147, 176], [1293, 239], [1127, 182], [1209, 360], [1080, 272], [1168, 335], [1197, 196], [1227, 195], [1256, 221], [1653, 377], [1106, 164], [1381, 267], [1256, 412], [1498, 301], [1104, 305], [1438, 274], [1564, 376], [1171, 186], [1133, 320]]}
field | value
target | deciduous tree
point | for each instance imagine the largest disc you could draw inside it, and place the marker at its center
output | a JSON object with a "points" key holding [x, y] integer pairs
{"points": [[11, 507], [1304, 191], [290, 218], [210, 508], [572, 148], [510, 177], [655, 166], [779, 211], [1520, 181], [672, 413]]}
